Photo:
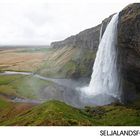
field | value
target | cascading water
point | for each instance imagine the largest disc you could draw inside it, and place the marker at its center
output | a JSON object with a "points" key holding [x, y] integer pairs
{"points": [[105, 79], [100, 37]]}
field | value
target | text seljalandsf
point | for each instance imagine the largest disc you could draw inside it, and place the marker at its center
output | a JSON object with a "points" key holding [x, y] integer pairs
{"points": [[119, 132]]}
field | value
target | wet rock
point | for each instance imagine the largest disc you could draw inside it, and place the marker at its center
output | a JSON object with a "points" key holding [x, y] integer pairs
{"points": [[129, 50]]}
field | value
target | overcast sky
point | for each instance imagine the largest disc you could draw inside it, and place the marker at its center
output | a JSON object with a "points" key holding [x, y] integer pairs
{"points": [[38, 22]]}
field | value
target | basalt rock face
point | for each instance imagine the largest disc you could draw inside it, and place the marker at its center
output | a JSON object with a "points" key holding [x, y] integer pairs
{"points": [[86, 44], [87, 39], [129, 50]]}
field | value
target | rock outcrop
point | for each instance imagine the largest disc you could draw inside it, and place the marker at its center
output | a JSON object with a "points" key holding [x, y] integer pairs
{"points": [[129, 49], [87, 39], [128, 46], [86, 44]]}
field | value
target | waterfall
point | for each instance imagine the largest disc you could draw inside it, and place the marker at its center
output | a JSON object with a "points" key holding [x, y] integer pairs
{"points": [[101, 30], [105, 79]]}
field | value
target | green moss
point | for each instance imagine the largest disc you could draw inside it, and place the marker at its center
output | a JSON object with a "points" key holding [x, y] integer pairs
{"points": [[59, 113], [50, 113], [114, 115]]}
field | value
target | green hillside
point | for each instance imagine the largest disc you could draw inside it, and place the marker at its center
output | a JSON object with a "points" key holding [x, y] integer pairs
{"points": [[60, 114]]}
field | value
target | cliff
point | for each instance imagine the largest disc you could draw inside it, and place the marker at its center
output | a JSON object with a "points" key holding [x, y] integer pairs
{"points": [[87, 41], [84, 46], [129, 50], [88, 38]]}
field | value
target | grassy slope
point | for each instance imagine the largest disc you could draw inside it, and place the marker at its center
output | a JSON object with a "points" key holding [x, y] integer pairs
{"points": [[50, 113], [116, 115], [80, 65], [9, 110], [58, 113]]}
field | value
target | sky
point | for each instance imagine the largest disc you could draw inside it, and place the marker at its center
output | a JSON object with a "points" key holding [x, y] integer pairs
{"points": [[40, 22]]}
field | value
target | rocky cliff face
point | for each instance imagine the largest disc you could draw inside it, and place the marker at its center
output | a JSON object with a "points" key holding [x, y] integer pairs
{"points": [[128, 44], [86, 44], [129, 48], [87, 39]]}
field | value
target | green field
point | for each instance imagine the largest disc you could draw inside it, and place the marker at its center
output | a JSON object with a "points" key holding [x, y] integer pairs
{"points": [[22, 86]]}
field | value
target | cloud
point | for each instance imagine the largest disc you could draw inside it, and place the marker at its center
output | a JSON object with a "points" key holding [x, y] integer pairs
{"points": [[43, 23]]}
